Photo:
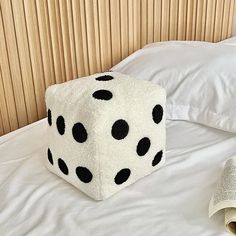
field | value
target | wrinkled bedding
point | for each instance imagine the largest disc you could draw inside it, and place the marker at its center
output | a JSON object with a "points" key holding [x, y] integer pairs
{"points": [[171, 201]]}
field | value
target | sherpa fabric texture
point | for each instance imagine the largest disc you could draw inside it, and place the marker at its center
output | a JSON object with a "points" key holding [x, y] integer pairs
{"points": [[105, 132]]}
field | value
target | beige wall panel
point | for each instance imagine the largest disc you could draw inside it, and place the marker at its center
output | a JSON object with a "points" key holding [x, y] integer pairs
{"points": [[105, 34], [3, 107], [82, 14], [46, 44], [194, 21], [137, 24], [25, 61], [144, 22], [200, 19], [1, 125], [60, 38], [131, 26], [71, 36], [91, 47], [14, 63], [191, 19], [54, 41], [150, 21], [92, 37], [218, 20], [232, 14], [157, 20], [65, 39], [210, 20], [173, 19], [97, 35], [124, 28], [204, 17], [115, 31], [226, 10], [79, 47], [165, 20], [182, 19], [6, 81], [49, 41], [35, 54]]}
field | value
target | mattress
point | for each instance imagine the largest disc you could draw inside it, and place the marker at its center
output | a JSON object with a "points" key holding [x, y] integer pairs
{"points": [[171, 201]]}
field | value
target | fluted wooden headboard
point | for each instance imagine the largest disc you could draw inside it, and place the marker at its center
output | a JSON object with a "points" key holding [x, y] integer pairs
{"points": [[43, 42]]}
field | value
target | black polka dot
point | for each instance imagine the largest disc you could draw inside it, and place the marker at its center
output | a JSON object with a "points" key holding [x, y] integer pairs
{"points": [[157, 113], [102, 94], [61, 125], [120, 129], [49, 117], [50, 159], [122, 176], [104, 78], [79, 133], [84, 174], [157, 158], [63, 167], [143, 146]]}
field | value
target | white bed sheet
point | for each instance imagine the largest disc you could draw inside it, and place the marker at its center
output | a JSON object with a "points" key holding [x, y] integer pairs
{"points": [[171, 201]]}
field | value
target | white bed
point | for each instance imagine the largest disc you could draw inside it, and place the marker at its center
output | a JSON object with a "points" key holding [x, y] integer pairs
{"points": [[171, 201], [201, 87]]}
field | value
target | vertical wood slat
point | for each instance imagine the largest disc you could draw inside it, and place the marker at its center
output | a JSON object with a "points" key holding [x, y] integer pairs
{"points": [[1, 124], [72, 39], [80, 62], [204, 18], [82, 15], [24, 60], [137, 23], [173, 20], [144, 21], [182, 18], [218, 20], [60, 39], [115, 31], [165, 20], [231, 19], [150, 21], [36, 55], [200, 19], [211, 5], [124, 28], [226, 11], [46, 45], [157, 20], [191, 19], [105, 34], [96, 35], [90, 36], [15, 69], [65, 39], [51, 11], [3, 109], [194, 19], [46, 42], [6, 127], [130, 26], [6, 82]]}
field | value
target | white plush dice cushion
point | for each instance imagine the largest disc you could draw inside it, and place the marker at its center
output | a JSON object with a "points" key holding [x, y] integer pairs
{"points": [[105, 132]]}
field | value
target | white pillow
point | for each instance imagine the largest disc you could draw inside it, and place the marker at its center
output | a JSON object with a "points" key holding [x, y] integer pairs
{"points": [[199, 77], [231, 41]]}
